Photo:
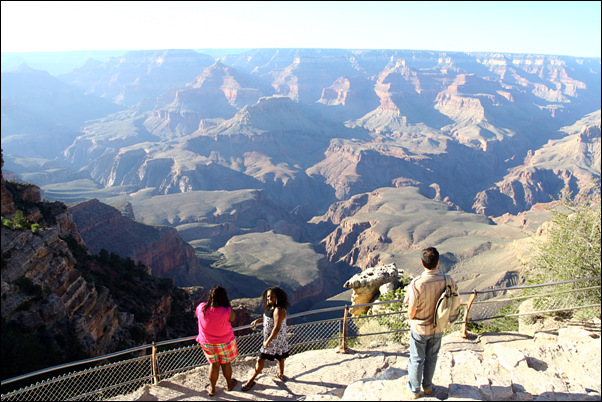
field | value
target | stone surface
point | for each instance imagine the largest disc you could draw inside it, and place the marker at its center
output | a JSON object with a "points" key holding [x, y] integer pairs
{"points": [[510, 358]]}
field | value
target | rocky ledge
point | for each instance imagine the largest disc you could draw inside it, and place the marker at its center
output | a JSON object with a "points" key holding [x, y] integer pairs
{"points": [[561, 364]]}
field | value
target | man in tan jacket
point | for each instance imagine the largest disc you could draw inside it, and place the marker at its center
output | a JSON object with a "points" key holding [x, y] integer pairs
{"points": [[425, 341]]}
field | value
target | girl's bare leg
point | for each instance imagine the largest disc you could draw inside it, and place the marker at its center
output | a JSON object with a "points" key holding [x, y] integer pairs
{"points": [[281, 368], [213, 376], [258, 368], [227, 371]]}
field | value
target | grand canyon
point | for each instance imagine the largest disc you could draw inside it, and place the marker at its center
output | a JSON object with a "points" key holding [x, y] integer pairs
{"points": [[302, 167]]}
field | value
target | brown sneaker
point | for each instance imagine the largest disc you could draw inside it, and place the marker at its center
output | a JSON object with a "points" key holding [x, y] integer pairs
{"points": [[410, 395]]}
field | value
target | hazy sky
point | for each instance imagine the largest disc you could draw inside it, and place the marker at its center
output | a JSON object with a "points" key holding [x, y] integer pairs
{"points": [[546, 27]]}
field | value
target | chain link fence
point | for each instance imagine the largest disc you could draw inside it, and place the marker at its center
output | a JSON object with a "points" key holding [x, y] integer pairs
{"points": [[123, 372]]}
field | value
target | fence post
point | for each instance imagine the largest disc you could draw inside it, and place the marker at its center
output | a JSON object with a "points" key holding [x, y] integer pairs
{"points": [[343, 347], [473, 296], [154, 364]]}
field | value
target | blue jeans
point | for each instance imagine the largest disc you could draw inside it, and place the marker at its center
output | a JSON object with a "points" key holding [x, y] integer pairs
{"points": [[423, 360]]}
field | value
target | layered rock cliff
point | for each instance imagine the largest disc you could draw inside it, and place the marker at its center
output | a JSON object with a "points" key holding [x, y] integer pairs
{"points": [[42, 288], [567, 164], [160, 249]]}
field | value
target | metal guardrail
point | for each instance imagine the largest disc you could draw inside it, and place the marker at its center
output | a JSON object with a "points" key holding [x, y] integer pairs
{"points": [[100, 378]]}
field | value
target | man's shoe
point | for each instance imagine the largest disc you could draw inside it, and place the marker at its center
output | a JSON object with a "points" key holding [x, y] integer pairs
{"points": [[410, 395], [428, 391]]}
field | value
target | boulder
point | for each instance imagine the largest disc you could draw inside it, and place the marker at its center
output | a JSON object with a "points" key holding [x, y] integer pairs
{"points": [[366, 285]]}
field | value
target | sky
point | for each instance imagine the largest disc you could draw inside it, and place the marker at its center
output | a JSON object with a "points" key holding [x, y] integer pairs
{"points": [[544, 27]]}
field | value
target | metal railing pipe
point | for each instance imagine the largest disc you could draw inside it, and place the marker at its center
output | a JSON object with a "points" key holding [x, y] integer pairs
{"points": [[343, 348], [154, 365], [536, 312], [464, 333], [532, 286]]}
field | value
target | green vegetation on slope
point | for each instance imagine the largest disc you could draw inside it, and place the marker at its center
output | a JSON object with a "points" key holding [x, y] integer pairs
{"points": [[569, 250]]}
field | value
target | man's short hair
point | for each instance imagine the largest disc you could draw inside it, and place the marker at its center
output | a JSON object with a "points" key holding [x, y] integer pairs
{"points": [[430, 257]]}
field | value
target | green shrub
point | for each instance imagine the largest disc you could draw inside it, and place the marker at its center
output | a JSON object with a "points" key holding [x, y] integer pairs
{"points": [[30, 288], [17, 222], [138, 334], [569, 250], [395, 322]]}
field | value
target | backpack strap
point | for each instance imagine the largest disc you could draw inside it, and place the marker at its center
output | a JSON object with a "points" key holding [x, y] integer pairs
{"points": [[447, 282]]}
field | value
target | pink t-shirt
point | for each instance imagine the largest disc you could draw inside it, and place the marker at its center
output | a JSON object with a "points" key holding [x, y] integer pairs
{"points": [[214, 325]]}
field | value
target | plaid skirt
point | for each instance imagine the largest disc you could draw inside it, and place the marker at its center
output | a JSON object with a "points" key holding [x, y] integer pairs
{"points": [[220, 352]]}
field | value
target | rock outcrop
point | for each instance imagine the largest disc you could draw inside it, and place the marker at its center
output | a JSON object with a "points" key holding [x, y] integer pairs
{"points": [[552, 365], [392, 225], [366, 285]]}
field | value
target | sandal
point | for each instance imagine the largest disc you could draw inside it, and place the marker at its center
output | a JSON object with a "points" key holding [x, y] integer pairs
{"points": [[233, 383], [281, 377], [248, 386], [208, 388]]}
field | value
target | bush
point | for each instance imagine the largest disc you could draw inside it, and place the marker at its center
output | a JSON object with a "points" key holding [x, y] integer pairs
{"points": [[388, 323], [30, 288], [570, 250], [138, 334], [18, 221]]}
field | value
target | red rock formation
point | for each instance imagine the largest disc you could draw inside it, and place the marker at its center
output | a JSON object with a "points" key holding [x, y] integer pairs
{"points": [[161, 249], [166, 253], [241, 317]]}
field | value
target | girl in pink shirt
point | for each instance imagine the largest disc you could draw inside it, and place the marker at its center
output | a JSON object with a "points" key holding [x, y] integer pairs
{"points": [[216, 336]]}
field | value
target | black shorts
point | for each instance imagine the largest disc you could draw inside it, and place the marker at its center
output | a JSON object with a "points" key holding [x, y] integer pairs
{"points": [[266, 356]]}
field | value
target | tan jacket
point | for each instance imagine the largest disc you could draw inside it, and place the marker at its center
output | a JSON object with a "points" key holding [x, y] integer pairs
{"points": [[421, 297]]}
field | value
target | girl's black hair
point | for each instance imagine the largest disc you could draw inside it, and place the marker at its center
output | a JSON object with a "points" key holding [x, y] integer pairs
{"points": [[281, 298], [218, 297]]}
